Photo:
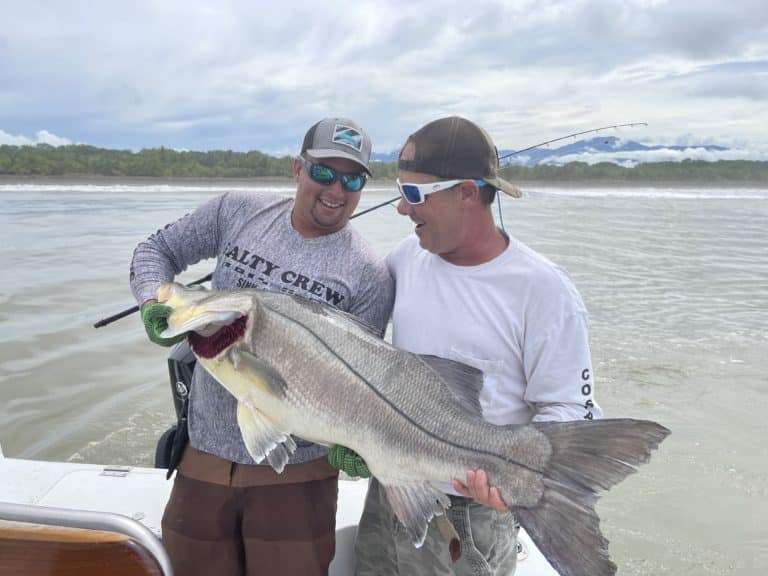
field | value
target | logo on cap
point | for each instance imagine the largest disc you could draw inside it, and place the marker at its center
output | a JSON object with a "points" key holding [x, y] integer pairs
{"points": [[347, 136]]}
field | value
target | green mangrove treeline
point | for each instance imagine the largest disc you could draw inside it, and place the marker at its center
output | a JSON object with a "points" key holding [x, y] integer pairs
{"points": [[79, 160], [687, 170]]}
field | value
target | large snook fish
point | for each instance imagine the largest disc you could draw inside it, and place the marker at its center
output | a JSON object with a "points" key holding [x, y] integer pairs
{"points": [[300, 367]]}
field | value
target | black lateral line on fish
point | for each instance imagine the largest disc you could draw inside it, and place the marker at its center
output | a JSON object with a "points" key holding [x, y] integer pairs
{"points": [[395, 408]]}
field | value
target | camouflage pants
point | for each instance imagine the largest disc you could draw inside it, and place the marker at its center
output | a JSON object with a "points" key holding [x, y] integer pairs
{"points": [[383, 547]]}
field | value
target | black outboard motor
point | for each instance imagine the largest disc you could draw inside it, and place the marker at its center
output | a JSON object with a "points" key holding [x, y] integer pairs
{"points": [[170, 446]]}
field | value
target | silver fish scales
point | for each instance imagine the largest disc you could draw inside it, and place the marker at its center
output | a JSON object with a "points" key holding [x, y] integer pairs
{"points": [[302, 368]]}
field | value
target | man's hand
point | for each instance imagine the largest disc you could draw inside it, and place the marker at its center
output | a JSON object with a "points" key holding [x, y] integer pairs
{"points": [[349, 461], [155, 318], [480, 491]]}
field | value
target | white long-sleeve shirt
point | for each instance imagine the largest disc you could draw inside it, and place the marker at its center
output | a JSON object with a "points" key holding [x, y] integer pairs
{"points": [[518, 318]]}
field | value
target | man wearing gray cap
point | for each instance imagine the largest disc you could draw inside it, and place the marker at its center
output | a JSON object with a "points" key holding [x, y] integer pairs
{"points": [[226, 514], [468, 291]]}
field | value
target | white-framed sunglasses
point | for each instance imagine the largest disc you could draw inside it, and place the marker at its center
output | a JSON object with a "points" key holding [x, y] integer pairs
{"points": [[417, 193]]}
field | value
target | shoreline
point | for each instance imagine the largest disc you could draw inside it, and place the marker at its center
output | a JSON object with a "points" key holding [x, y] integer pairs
{"points": [[640, 184], [191, 181], [137, 180]]}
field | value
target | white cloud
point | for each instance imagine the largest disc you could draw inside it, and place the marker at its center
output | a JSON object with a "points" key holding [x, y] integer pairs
{"points": [[41, 137], [242, 75], [11, 140], [45, 137], [665, 155]]}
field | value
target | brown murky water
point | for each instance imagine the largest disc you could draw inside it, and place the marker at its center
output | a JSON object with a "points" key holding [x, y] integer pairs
{"points": [[676, 281]]}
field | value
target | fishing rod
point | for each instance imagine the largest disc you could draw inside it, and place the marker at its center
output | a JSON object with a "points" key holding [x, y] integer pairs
{"points": [[129, 311], [595, 130], [207, 277]]}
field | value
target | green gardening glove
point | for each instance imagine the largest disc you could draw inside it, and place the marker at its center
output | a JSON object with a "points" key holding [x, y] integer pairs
{"points": [[155, 318], [346, 460]]}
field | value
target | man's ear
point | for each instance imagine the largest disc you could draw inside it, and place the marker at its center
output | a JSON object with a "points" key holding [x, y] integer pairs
{"points": [[469, 191], [296, 168]]}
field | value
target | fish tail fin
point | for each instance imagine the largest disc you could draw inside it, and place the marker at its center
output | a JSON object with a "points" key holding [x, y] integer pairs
{"points": [[587, 458]]}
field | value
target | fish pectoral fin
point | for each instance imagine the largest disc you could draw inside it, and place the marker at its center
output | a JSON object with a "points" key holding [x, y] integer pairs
{"points": [[415, 505], [262, 439], [257, 371]]}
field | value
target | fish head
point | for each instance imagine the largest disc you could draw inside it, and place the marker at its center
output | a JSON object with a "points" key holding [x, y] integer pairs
{"points": [[215, 320], [175, 295]]}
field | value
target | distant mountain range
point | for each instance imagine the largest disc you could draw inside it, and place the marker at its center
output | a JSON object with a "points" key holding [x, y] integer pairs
{"points": [[598, 149]]}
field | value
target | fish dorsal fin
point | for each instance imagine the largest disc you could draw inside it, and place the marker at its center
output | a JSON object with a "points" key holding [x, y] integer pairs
{"points": [[415, 505], [465, 382], [262, 439]]}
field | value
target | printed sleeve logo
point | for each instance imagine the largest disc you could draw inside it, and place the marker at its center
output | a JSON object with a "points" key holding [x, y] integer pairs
{"points": [[586, 391], [347, 136]]}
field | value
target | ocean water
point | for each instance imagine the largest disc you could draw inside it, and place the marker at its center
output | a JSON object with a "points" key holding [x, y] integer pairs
{"points": [[675, 279]]}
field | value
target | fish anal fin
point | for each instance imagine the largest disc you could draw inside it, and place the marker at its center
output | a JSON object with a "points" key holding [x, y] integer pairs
{"points": [[415, 505], [262, 439]]}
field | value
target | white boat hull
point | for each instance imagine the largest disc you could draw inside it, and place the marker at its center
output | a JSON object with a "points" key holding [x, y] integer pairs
{"points": [[141, 493]]}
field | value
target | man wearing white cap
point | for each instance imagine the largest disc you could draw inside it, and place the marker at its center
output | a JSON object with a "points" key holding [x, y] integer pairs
{"points": [[468, 291]]}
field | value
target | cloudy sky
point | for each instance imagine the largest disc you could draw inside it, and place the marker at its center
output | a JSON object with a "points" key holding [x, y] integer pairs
{"points": [[249, 75]]}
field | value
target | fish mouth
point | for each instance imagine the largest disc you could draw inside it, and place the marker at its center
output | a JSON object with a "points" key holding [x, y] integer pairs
{"points": [[198, 309], [213, 345]]}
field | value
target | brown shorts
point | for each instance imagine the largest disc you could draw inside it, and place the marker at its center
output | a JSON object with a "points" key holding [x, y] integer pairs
{"points": [[238, 519]]}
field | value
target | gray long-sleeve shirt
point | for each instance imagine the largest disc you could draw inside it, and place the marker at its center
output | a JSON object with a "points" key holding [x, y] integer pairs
{"points": [[256, 246]]}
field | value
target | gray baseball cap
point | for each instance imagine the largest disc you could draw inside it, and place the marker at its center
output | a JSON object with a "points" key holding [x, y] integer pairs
{"points": [[338, 138]]}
